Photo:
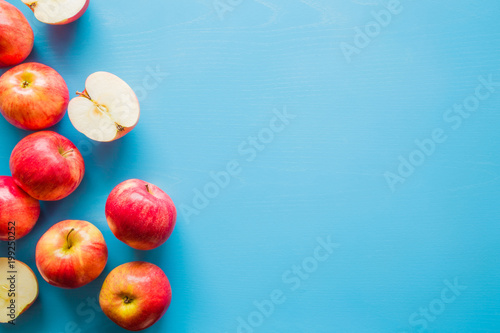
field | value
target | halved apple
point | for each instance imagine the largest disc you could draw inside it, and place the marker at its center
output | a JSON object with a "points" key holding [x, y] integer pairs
{"points": [[57, 11], [106, 110], [21, 286]]}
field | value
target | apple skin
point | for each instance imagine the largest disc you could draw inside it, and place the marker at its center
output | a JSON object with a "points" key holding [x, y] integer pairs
{"points": [[135, 295], [71, 254], [16, 35], [33, 96], [16, 206], [140, 214], [47, 166]]}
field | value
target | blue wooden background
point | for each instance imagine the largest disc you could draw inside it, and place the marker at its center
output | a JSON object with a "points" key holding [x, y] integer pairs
{"points": [[388, 149]]}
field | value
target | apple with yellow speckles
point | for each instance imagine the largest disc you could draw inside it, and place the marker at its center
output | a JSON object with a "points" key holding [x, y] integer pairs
{"points": [[135, 295], [140, 214], [16, 35], [47, 166], [71, 254], [33, 96]]}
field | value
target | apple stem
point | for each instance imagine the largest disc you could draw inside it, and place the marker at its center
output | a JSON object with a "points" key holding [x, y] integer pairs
{"points": [[147, 188], [127, 300], [100, 107], [119, 127], [84, 94], [68, 240], [64, 154]]}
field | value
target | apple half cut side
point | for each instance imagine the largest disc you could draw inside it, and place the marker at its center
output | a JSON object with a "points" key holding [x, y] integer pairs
{"points": [[57, 11], [25, 289], [106, 110]]}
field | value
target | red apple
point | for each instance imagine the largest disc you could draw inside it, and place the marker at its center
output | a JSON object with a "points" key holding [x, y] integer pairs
{"points": [[140, 214], [135, 295], [57, 11], [47, 166], [33, 96], [71, 254], [18, 211], [16, 36]]}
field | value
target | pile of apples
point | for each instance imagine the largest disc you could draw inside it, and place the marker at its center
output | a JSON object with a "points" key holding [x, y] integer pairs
{"points": [[46, 166]]}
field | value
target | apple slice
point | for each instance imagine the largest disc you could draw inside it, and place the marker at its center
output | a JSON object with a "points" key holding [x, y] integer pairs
{"points": [[25, 289], [106, 110], [57, 11]]}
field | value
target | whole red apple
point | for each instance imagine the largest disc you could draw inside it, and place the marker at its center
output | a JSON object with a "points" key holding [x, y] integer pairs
{"points": [[140, 214], [47, 166], [18, 211], [33, 96], [71, 254], [16, 35], [135, 295]]}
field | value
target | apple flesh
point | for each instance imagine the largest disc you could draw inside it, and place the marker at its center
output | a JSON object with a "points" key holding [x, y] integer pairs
{"points": [[47, 166], [57, 11], [135, 295], [33, 96], [18, 211], [106, 110], [71, 254], [140, 214], [26, 289], [16, 35]]}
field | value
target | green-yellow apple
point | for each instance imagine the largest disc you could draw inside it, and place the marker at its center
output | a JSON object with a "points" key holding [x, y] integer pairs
{"points": [[18, 211], [47, 166], [16, 35], [57, 11], [135, 295], [71, 254], [18, 291], [106, 110], [33, 96], [140, 214]]}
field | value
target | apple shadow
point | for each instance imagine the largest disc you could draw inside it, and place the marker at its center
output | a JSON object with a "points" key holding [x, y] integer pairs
{"points": [[57, 127], [178, 266], [171, 258], [9, 131], [109, 153], [61, 37], [29, 241], [34, 55], [59, 210], [153, 256], [83, 305]]}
